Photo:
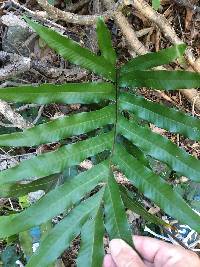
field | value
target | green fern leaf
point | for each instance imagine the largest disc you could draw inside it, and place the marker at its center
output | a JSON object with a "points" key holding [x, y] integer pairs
{"points": [[162, 116], [155, 188], [137, 207], [115, 217], [17, 189], [160, 79], [155, 59], [156, 4], [59, 200], [160, 148], [56, 161], [70, 93], [91, 249], [60, 128], [105, 42]]}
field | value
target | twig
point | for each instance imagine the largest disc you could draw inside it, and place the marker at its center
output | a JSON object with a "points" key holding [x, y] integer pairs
{"points": [[27, 106], [147, 11], [144, 31], [15, 118], [19, 64], [129, 34], [39, 17], [52, 72], [166, 97], [69, 17], [39, 114], [193, 96]]}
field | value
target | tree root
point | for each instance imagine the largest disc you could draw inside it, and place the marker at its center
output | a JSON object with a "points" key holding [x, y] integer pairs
{"points": [[129, 34]]}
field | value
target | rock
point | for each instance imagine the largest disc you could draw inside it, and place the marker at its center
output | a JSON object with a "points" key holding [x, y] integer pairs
{"points": [[14, 41], [11, 19], [16, 35]]}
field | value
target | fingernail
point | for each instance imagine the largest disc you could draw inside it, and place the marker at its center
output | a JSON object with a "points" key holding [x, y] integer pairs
{"points": [[116, 245]]}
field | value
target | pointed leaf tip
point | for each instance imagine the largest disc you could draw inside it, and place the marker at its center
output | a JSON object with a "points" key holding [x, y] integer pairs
{"points": [[105, 42], [72, 51]]}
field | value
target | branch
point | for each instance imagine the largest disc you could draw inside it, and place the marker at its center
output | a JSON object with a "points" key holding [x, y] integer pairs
{"points": [[129, 34], [147, 11], [14, 64], [69, 17]]}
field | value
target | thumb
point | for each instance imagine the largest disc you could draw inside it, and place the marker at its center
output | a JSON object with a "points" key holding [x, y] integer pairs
{"points": [[123, 255]]}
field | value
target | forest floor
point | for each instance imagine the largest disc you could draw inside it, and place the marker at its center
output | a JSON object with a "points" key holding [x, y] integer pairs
{"points": [[147, 31]]}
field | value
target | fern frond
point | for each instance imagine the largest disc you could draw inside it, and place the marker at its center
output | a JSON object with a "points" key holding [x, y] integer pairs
{"points": [[112, 136], [60, 128], [160, 148]]}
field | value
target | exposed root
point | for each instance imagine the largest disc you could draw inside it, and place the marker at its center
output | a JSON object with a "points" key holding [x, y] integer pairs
{"points": [[127, 31]]}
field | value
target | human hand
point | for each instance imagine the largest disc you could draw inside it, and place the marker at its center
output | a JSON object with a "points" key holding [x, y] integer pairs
{"points": [[153, 253]]}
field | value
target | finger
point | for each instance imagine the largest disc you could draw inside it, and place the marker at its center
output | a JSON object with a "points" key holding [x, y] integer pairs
{"points": [[148, 247], [108, 261], [123, 255], [148, 264], [161, 253]]}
